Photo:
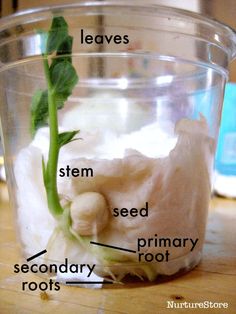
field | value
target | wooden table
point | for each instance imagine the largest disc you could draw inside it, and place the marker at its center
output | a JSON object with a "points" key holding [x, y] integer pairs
{"points": [[213, 280]]}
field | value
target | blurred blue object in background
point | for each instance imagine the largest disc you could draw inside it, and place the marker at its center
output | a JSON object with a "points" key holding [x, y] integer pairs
{"points": [[225, 163]]}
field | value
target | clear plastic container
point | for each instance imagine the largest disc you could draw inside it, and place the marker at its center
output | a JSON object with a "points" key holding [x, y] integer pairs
{"points": [[148, 110]]}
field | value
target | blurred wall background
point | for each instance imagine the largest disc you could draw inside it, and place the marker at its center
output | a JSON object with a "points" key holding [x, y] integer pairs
{"points": [[224, 11]]}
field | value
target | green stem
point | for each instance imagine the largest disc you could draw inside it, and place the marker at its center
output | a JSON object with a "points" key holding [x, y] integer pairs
{"points": [[51, 168]]}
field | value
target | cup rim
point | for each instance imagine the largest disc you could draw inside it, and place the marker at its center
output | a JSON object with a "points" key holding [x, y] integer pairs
{"points": [[39, 13], [7, 20]]}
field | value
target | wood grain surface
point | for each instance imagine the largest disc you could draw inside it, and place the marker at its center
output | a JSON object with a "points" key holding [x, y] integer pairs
{"points": [[214, 279]]}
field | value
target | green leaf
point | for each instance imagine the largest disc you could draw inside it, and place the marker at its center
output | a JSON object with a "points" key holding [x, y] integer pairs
{"points": [[60, 99], [65, 47], [65, 50], [57, 34], [63, 78], [39, 110], [63, 53], [66, 137]]}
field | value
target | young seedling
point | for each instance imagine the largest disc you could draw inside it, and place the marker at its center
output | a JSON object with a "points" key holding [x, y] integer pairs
{"points": [[61, 78]]}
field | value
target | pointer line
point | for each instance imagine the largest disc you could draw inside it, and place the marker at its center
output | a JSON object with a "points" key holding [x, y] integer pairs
{"points": [[112, 247], [36, 255]]}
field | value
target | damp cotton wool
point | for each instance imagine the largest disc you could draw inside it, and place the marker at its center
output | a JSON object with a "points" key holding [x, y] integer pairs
{"points": [[126, 174]]}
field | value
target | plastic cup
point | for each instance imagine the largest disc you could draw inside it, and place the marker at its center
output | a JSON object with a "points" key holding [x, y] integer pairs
{"points": [[136, 185]]}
